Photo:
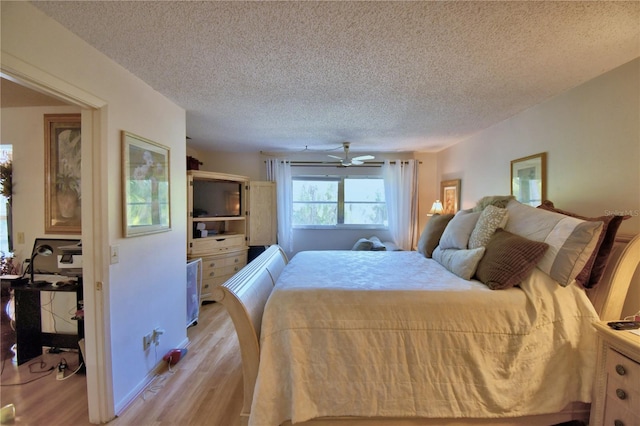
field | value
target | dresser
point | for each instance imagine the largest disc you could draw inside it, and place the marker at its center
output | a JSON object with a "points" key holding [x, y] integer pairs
{"points": [[616, 398]]}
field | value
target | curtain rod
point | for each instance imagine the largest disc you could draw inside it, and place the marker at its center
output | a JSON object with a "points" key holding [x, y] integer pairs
{"points": [[337, 164]]}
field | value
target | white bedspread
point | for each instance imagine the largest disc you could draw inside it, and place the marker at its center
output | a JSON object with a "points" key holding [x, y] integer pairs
{"points": [[395, 334]]}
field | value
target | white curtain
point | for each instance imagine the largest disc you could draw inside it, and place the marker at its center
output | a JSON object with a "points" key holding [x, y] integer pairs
{"points": [[279, 171], [401, 194]]}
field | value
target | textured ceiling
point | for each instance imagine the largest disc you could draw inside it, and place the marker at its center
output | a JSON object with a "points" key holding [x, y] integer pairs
{"points": [[387, 76]]}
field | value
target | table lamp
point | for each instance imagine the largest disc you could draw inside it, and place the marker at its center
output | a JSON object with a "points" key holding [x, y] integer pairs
{"points": [[42, 250], [436, 208]]}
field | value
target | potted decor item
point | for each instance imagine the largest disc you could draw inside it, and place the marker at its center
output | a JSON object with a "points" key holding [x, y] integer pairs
{"points": [[68, 194]]}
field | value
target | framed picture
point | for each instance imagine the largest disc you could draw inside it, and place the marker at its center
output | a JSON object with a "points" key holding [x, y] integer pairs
{"points": [[145, 186], [450, 196], [528, 176], [62, 155]]}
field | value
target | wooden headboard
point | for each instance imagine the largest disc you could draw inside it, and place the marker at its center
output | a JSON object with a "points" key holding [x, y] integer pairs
{"points": [[609, 296]]}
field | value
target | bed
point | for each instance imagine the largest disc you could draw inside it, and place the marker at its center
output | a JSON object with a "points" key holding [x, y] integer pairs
{"points": [[342, 337]]}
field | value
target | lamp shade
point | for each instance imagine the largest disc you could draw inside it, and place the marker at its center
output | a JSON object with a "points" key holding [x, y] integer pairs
{"points": [[42, 250], [436, 208]]}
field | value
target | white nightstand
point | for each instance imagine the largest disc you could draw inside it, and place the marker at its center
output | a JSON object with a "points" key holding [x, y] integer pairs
{"points": [[616, 396]]}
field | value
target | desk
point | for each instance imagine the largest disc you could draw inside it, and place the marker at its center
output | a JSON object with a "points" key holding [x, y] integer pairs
{"points": [[29, 335]]}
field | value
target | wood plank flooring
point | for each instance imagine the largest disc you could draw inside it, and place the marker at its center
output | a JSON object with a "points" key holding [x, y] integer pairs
{"points": [[204, 388]]}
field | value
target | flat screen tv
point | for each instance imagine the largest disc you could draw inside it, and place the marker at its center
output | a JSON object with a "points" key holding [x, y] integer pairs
{"points": [[213, 198]]}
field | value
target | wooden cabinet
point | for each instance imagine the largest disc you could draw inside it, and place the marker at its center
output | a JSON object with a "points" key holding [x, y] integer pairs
{"points": [[225, 214], [219, 268], [616, 399]]}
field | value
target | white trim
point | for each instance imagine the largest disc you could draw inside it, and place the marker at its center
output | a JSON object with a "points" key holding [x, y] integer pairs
{"points": [[16, 69], [94, 226]]}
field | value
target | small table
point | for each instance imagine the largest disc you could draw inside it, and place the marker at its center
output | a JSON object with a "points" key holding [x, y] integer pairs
{"points": [[29, 335]]}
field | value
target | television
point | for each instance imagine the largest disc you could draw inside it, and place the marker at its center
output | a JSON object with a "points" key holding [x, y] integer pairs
{"points": [[214, 198]]}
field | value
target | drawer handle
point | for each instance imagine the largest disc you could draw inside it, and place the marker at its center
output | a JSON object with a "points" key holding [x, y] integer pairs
{"points": [[211, 274], [620, 370], [212, 265], [618, 423], [206, 286], [236, 260], [236, 269], [620, 393], [220, 239]]}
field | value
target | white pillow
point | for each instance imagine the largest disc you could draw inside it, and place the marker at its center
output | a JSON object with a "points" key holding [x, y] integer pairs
{"points": [[571, 240], [456, 234], [490, 219], [463, 263]]}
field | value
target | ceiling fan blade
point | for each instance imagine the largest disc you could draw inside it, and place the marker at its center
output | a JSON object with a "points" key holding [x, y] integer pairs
{"points": [[356, 162], [336, 157], [363, 158]]}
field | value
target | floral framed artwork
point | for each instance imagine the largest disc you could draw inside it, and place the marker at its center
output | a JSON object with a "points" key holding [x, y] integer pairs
{"points": [[145, 186], [62, 174], [450, 196], [528, 179]]}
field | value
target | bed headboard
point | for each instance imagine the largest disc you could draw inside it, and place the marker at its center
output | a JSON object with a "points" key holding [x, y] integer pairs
{"points": [[608, 297]]}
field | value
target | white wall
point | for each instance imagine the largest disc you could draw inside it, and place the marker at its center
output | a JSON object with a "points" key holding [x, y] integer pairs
{"points": [[592, 138], [146, 289]]}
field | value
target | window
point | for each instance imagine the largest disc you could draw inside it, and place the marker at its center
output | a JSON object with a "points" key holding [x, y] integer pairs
{"points": [[335, 200], [5, 206]]}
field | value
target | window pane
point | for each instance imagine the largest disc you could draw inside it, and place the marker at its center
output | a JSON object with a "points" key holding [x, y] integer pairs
{"points": [[364, 202], [364, 190], [315, 213], [315, 202], [315, 190], [365, 213]]}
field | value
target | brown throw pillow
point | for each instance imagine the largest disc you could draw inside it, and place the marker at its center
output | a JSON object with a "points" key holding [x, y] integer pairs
{"points": [[508, 259], [592, 272], [430, 237]]}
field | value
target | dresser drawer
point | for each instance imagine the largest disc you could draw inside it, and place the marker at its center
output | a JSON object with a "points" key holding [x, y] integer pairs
{"points": [[222, 261], [624, 371], [216, 243], [219, 268], [619, 414]]}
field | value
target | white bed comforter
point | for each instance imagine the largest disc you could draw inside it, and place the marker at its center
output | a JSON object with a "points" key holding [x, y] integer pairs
{"points": [[396, 334]]}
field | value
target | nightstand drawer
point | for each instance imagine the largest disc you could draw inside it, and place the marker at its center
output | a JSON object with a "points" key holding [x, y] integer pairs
{"points": [[624, 371], [619, 414]]}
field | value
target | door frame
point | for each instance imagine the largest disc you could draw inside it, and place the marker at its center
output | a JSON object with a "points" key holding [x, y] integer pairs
{"points": [[94, 235]]}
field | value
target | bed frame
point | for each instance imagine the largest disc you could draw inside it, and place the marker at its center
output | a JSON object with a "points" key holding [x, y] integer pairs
{"points": [[246, 293]]}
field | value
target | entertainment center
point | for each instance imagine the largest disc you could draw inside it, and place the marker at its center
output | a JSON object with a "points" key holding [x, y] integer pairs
{"points": [[225, 215]]}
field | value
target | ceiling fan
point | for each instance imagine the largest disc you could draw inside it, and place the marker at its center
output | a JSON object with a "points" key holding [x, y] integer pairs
{"points": [[355, 161]]}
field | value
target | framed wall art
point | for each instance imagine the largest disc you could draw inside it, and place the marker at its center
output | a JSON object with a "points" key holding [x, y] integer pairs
{"points": [[145, 186], [528, 179], [62, 173], [450, 196]]}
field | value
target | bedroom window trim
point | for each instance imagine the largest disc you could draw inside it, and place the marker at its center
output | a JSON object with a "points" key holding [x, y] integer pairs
{"points": [[340, 203]]}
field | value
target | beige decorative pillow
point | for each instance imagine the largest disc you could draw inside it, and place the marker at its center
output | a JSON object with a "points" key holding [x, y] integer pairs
{"points": [[571, 240], [490, 219], [456, 234], [463, 263], [432, 232]]}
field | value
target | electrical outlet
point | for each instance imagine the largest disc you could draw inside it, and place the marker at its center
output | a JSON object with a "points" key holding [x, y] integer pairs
{"points": [[146, 341], [157, 332]]}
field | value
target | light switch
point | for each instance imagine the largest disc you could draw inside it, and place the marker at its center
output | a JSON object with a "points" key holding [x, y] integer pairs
{"points": [[115, 254]]}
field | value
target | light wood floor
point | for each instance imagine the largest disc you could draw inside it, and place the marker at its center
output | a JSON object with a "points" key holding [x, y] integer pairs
{"points": [[204, 388]]}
